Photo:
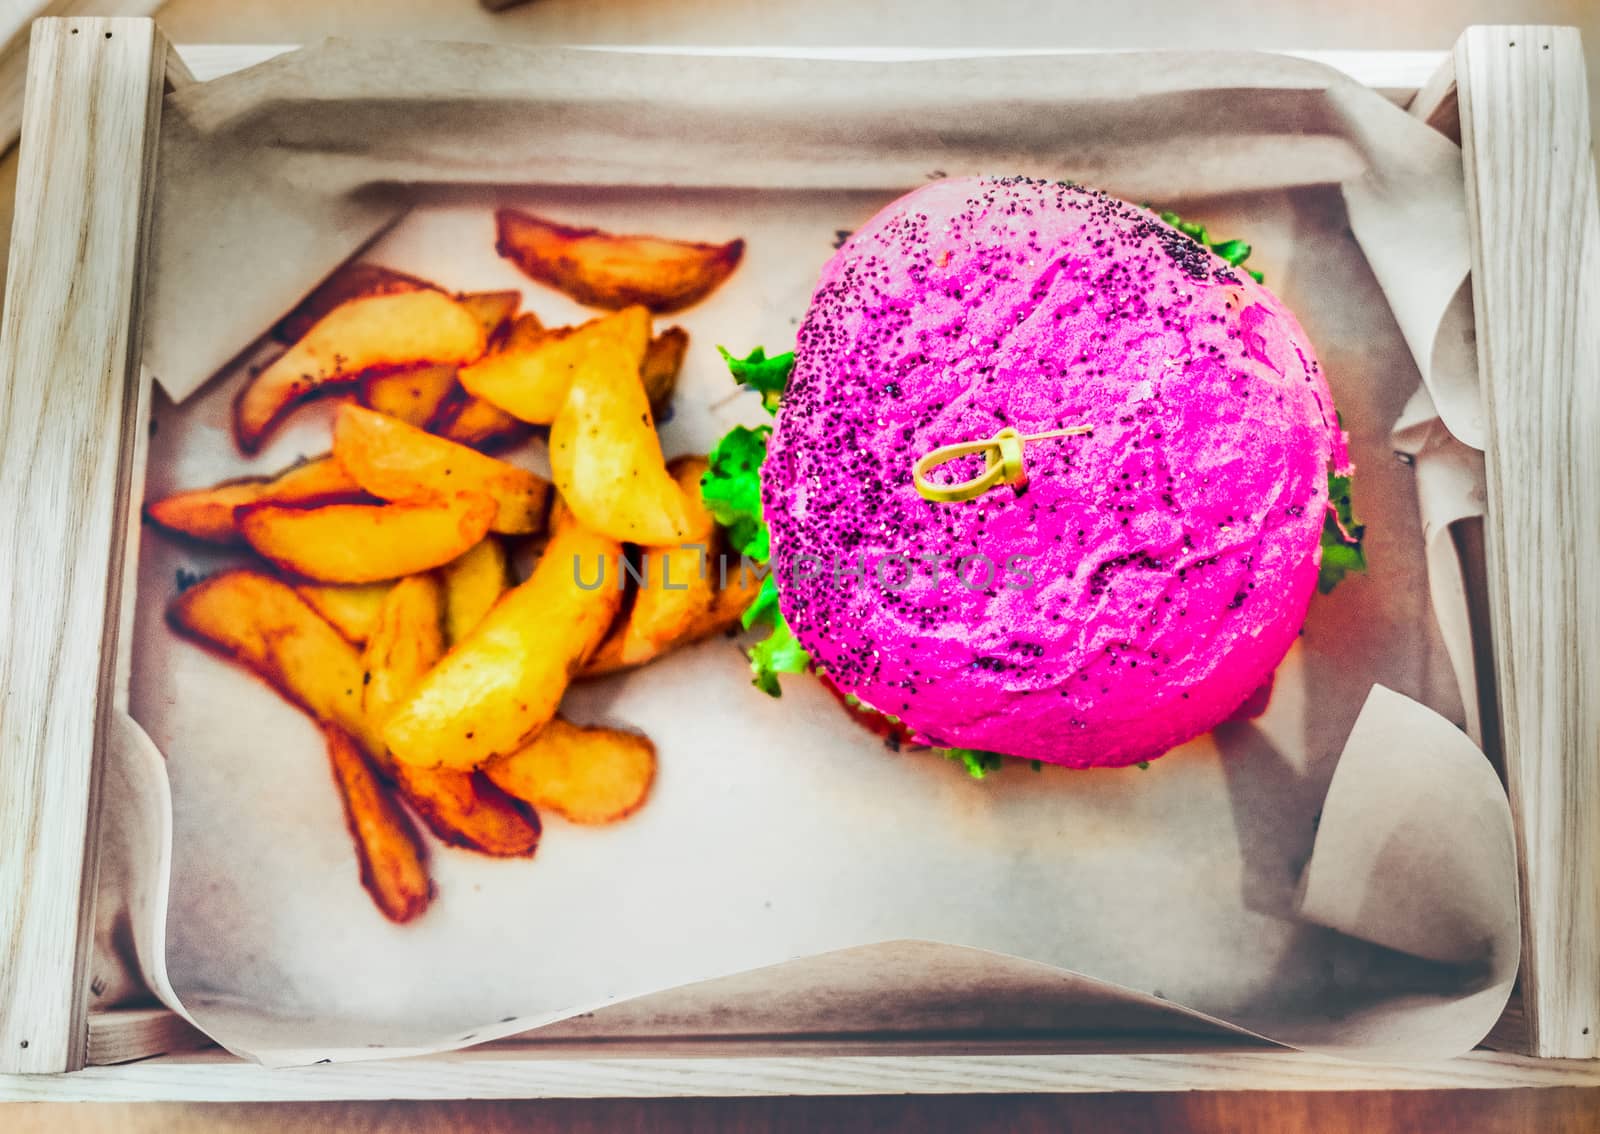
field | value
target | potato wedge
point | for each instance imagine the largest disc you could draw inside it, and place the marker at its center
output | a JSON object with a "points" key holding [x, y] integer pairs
{"points": [[376, 332], [485, 426], [258, 621], [207, 513], [502, 682], [414, 395], [679, 580], [529, 375], [393, 869], [399, 462], [418, 394], [423, 395], [349, 281], [606, 457], [467, 810], [599, 269], [460, 808], [352, 610], [365, 543], [473, 584], [663, 360], [587, 775], [502, 370], [735, 591], [469, 420], [406, 642], [356, 281]]}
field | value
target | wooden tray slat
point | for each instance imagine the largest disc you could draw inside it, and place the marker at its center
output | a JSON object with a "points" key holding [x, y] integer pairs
{"points": [[69, 421], [782, 1069], [1535, 233]]}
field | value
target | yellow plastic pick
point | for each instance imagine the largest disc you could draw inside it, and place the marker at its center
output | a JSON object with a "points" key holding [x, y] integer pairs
{"points": [[1002, 462]]}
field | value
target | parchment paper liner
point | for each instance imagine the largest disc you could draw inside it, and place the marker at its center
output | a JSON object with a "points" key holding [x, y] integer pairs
{"points": [[271, 177]]}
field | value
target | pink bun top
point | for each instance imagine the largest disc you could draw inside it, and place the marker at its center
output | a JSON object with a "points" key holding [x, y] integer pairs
{"points": [[1150, 576]]}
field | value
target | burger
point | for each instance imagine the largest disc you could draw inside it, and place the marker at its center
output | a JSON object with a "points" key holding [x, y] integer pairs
{"points": [[1051, 477]]}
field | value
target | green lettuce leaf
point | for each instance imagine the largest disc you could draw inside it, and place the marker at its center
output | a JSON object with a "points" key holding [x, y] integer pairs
{"points": [[731, 489], [769, 376], [976, 761], [763, 611], [779, 652], [1341, 536], [1236, 252]]}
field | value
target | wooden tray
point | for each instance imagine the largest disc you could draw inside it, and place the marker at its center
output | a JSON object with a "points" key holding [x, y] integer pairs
{"points": [[73, 410]]}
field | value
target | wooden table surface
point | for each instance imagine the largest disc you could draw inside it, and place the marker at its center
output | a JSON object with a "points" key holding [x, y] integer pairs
{"points": [[1417, 24], [1558, 1111]]}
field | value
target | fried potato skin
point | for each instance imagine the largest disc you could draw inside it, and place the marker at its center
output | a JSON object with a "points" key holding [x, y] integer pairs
{"points": [[503, 681], [399, 462], [586, 775], [606, 457], [600, 269], [394, 870], [207, 514], [529, 375], [461, 809], [365, 543], [260, 622], [360, 336]]}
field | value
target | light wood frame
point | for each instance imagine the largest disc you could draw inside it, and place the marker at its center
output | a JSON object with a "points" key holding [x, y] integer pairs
{"points": [[71, 432], [72, 407]]}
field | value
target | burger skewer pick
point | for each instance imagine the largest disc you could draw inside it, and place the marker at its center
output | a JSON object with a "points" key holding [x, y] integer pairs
{"points": [[1179, 483], [1004, 463]]}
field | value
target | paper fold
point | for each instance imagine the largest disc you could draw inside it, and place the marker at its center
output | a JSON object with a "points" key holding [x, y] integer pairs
{"points": [[331, 138], [1370, 876]]}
